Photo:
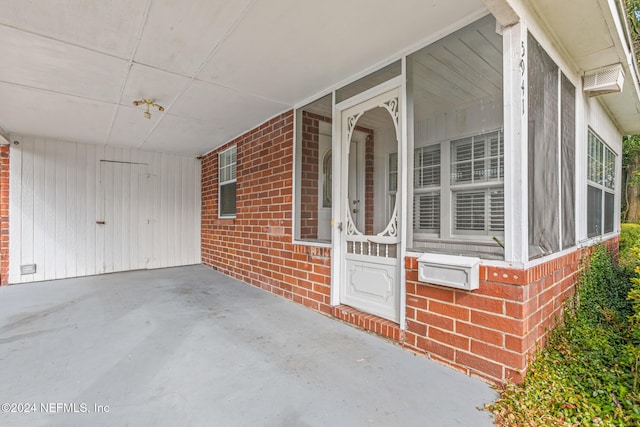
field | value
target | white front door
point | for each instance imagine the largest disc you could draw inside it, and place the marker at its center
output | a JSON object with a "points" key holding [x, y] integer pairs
{"points": [[369, 277]]}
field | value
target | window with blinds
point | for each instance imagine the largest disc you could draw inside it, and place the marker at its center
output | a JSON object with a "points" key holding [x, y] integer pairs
{"points": [[426, 215], [477, 159], [477, 174], [601, 179], [227, 182], [426, 177], [474, 190]]}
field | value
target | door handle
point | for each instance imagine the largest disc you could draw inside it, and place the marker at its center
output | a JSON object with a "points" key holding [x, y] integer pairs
{"points": [[100, 222]]}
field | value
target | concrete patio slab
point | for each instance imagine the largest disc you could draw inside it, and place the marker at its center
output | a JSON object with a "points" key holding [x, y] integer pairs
{"points": [[188, 346]]}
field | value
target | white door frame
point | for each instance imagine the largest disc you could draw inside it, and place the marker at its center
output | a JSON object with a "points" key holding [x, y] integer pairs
{"points": [[337, 222]]}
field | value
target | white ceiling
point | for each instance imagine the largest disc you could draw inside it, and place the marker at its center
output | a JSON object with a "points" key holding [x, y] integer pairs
{"points": [[71, 68]]}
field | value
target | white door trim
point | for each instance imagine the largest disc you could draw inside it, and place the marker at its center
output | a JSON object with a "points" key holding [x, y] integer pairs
{"points": [[365, 100]]}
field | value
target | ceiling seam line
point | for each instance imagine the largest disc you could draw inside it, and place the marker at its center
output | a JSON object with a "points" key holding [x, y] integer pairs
{"points": [[76, 45], [215, 48], [143, 23], [55, 92]]}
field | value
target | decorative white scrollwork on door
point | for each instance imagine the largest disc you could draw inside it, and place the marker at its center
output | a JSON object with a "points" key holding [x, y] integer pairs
{"points": [[382, 243]]}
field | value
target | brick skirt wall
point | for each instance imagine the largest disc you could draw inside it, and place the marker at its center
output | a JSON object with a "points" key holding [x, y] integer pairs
{"points": [[490, 332], [493, 331]]}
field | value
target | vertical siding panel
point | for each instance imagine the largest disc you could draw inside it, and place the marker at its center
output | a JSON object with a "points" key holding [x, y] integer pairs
{"points": [[82, 233], [193, 205], [100, 210], [198, 213], [164, 235], [115, 199], [157, 206], [60, 208], [92, 177], [178, 208], [135, 222], [172, 189], [26, 196], [71, 209], [15, 208], [149, 195], [187, 224], [123, 199], [39, 207], [60, 189], [49, 191], [106, 190]]}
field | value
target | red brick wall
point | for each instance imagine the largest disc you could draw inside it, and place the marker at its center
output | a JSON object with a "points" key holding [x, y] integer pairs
{"points": [[309, 174], [492, 331], [256, 247], [368, 184], [4, 215]]}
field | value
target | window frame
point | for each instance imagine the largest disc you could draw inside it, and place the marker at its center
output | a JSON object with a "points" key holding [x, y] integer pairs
{"points": [[602, 187], [233, 165]]}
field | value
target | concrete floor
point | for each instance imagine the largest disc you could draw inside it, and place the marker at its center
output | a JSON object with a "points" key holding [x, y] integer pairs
{"points": [[190, 347]]}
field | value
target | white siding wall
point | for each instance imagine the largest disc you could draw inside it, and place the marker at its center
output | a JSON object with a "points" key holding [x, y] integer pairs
{"points": [[56, 198]]}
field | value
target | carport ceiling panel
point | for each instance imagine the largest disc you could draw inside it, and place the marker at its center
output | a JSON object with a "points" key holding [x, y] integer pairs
{"points": [[39, 113], [238, 111], [75, 21], [292, 51], [130, 128], [40, 62], [185, 135], [179, 36], [145, 81]]}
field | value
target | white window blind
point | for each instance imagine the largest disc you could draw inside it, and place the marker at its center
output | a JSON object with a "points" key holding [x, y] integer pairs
{"points": [[427, 178], [474, 189], [477, 174], [477, 159], [427, 166], [426, 216]]}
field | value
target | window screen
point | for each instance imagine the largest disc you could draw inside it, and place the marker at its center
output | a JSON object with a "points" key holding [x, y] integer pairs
{"points": [[544, 179], [568, 149], [313, 171]]}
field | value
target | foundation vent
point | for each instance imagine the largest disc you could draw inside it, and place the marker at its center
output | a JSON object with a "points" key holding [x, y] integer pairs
{"points": [[28, 269]]}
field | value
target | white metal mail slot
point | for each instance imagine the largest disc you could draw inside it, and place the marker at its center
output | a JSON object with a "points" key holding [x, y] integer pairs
{"points": [[459, 272]]}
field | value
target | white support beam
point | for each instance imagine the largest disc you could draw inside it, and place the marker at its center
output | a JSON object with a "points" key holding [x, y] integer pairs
{"points": [[515, 140], [502, 11]]}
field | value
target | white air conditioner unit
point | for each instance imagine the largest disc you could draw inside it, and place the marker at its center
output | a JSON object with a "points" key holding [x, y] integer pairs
{"points": [[603, 80]]}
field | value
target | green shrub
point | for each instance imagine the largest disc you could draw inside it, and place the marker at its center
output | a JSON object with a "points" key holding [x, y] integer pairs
{"points": [[602, 291], [629, 245], [588, 373]]}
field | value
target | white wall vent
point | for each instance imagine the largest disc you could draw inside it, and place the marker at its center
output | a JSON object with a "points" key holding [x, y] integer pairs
{"points": [[28, 269], [460, 272], [604, 80]]}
